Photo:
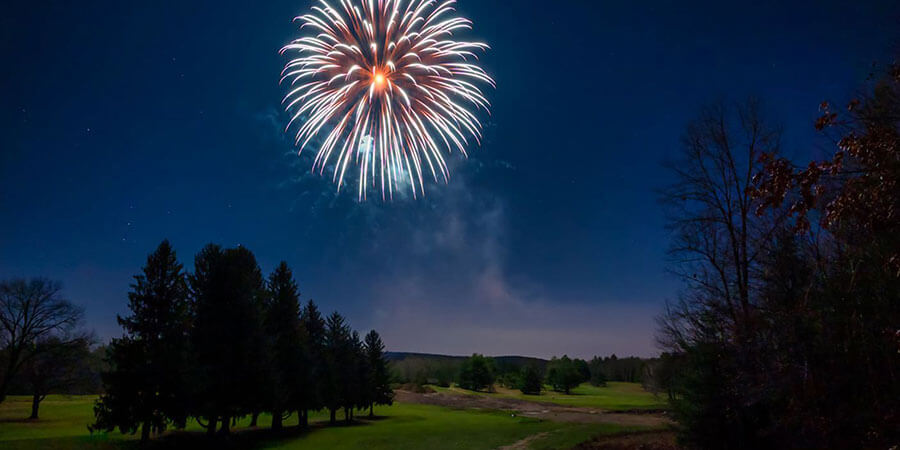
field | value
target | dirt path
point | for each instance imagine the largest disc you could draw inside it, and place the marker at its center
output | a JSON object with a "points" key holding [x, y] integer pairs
{"points": [[524, 443], [546, 411]]}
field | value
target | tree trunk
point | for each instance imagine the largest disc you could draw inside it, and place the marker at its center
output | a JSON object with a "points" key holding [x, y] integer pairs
{"points": [[277, 420], [371, 410], [211, 428], [145, 431], [253, 419], [35, 404], [226, 425], [333, 412], [304, 418]]}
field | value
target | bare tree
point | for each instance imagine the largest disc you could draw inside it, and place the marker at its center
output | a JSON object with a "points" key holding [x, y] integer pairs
{"points": [[32, 311], [711, 213]]}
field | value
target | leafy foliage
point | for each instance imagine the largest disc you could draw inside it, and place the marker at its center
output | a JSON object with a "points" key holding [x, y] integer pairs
{"points": [[532, 381], [477, 373], [786, 336], [563, 374]]}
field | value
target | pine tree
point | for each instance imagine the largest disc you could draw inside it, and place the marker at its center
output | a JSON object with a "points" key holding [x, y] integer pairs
{"points": [[287, 359], [145, 387], [379, 383], [314, 373], [356, 383], [229, 295], [338, 359], [531, 380]]}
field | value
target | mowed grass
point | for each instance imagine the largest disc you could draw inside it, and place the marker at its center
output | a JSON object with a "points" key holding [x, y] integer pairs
{"points": [[616, 396], [63, 425]]}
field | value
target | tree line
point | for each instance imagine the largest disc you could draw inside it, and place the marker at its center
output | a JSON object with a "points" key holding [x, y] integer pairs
{"points": [[561, 374], [223, 342], [787, 332]]}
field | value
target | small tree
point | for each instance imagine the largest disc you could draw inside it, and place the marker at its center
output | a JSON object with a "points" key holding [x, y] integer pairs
{"points": [[532, 382], [380, 392], [598, 374], [562, 374], [477, 373], [58, 366], [584, 371], [314, 374], [31, 311], [339, 365]]}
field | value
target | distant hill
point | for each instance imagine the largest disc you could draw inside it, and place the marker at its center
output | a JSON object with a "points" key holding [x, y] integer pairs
{"points": [[506, 359]]}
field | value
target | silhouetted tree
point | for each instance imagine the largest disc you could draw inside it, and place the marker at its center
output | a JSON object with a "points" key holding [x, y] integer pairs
{"points": [[315, 373], [147, 383], [532, 381], [228, 299], [357, 386], [831, 294], [379, 384], [339, 365], [717, 250], [287, 340], [57, 367], [31, 311]]}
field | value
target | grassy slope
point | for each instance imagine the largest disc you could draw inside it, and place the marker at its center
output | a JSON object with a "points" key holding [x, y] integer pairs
{"points": [[406, 426], [616, 396]]}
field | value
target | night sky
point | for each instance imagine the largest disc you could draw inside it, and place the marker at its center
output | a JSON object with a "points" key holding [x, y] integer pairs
{"points": [[125, 123]]}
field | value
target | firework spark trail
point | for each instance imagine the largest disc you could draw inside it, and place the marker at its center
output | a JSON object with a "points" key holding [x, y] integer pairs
{"points": [[388, 87]]}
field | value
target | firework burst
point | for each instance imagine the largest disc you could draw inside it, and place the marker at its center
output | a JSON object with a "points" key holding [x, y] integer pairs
{"points": [[386, 88]]}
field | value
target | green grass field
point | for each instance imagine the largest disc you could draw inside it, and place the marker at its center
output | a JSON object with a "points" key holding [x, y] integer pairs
{"points": [[616, 396], [402, 426]]}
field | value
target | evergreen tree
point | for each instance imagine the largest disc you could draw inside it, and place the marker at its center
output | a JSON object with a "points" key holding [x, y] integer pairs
{"points": [[146, 384], [379, 383], [338, 358], [314, 374], [286, 341], [477, 373], [228, 293], [598, 374], [356, 387], [532, 383]]}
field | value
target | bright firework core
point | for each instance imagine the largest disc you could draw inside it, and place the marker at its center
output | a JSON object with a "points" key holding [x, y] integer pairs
{"points": [[405, 50]]}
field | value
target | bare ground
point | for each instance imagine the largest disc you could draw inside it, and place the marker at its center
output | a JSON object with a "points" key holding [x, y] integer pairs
{"points": [[651, 440], [538, 410]]}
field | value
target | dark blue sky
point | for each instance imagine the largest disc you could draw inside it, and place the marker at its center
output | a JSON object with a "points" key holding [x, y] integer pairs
{"points": [[125, 123]]}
